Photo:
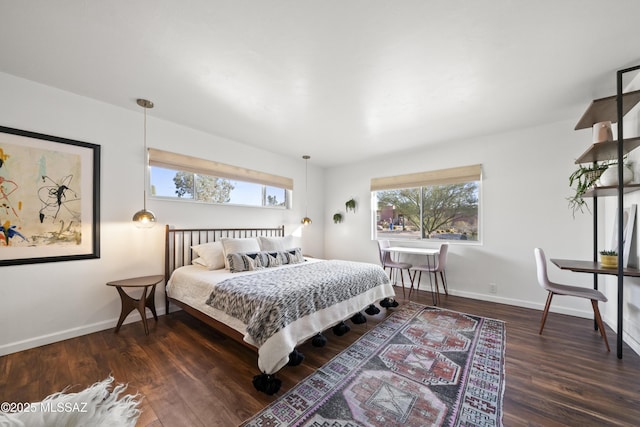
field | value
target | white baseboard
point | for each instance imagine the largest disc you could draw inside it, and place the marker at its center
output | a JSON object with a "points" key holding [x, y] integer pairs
{"points": [[628, 339], [632, 342], [522, 303], [14, 347]]}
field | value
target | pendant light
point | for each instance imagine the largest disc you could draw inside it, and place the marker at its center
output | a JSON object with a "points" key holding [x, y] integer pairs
{"points": [[306, 220], [145, 218]]}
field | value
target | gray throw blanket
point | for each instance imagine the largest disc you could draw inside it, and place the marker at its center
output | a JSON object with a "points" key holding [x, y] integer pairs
{"points": [[271, 299]]}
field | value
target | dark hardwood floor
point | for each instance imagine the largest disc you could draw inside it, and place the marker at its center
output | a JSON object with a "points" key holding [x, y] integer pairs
{"points": [[190, 375]]}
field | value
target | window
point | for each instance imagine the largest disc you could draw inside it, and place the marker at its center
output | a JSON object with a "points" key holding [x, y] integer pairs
{"points": [[183, 177], [435, 205]]}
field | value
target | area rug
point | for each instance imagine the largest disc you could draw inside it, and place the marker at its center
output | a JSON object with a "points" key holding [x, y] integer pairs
{"points": [[99, 405], [422, 366]]}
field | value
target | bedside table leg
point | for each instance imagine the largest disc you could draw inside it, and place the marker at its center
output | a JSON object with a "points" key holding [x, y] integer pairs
{"points": [[151, 302], [128, 304], [142, 305]]}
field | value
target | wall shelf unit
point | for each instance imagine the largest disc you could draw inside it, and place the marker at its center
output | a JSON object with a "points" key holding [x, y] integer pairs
{"points": [[613, 109]]}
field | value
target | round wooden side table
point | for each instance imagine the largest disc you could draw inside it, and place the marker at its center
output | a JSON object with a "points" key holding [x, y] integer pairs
{"points": [[146, 300]]}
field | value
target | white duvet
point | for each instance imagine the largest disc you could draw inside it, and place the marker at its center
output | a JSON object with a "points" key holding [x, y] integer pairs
{"points": [[193, 284]]}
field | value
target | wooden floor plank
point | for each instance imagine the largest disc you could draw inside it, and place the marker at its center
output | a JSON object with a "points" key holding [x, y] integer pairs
{"points": [[191, 375]]}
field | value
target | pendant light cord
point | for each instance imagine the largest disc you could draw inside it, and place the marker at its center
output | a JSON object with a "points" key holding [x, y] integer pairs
{"points": [[146, 163], [306, 220]]}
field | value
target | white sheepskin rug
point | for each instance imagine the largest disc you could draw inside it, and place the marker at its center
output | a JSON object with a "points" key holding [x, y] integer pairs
{"points": [[98, 405]]}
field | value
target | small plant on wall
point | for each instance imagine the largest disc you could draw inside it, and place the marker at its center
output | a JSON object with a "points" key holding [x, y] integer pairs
{"points": [[350, 205], [337, 218]]}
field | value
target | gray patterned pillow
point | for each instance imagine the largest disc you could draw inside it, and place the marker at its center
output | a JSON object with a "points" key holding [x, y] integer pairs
{"points": [[250, 261], [295, 256]]}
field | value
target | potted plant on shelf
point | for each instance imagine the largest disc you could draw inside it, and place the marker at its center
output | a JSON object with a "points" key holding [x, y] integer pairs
{"points": [[584, 178], [337, 218], [609, 259], [603, 174]]}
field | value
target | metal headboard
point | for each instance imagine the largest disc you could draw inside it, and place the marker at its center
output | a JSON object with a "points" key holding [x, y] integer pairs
{"points": [[178, 242]]}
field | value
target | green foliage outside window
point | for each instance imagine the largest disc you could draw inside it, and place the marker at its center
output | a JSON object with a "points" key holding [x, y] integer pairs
{"points": [[207, 188], [176, 184], [432, 212]]}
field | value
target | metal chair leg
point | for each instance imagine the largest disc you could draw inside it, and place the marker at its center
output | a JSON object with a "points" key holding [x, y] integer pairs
{"points": [[413, 279], [435, 276], [443, 276], [391, 279]]}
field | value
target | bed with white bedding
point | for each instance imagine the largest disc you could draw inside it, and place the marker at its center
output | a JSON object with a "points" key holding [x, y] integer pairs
{"points": [[271, 300]]}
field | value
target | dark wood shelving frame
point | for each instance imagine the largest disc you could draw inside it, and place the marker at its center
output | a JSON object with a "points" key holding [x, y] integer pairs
{"points": [[612, 108]]}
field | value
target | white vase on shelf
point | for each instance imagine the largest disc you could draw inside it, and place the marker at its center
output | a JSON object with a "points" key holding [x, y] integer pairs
{"points": [[610, 176], [602, 132]]}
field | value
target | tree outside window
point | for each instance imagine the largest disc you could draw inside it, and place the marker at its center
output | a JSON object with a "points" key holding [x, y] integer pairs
{"points": [[448, 212], [202, 187], [177, 184]]}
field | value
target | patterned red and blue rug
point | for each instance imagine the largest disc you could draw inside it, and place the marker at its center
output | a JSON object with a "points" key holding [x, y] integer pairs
{"points": [[422, 366]]}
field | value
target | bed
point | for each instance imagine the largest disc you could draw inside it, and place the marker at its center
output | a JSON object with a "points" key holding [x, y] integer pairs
{"points": [[270, 300]]}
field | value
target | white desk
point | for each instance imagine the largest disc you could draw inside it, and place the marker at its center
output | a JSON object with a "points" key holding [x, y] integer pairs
{"points": [[414, 251], [428, 252]]}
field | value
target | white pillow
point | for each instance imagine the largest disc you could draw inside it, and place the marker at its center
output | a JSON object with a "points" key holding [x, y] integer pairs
{"points": [[198, 261], [276, 243], [234, 246], [212, 255]]}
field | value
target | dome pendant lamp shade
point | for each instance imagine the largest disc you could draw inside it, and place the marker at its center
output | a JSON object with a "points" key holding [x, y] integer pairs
{"points": [[145, 218], [306, 220]]}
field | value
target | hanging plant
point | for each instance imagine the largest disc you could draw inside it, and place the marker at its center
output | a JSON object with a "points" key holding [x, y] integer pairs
{"points": [[350, 205], [337, 218]]}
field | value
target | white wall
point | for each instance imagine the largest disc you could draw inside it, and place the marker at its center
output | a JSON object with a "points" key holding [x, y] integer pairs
{"points": [[43, 303], [524, 190]]}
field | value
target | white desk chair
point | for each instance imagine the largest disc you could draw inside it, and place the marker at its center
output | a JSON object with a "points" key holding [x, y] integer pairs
{"points": [[575, 291], [437, 268], [388, 262]]}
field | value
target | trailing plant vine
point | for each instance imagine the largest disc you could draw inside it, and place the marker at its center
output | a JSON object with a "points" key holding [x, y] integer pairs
{"points": [[584, 178]]}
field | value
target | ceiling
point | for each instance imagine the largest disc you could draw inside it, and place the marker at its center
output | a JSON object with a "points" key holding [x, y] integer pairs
{"points": [[339, 80]]}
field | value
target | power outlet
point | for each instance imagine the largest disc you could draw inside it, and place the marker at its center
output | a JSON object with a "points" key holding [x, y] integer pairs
{"points": [[493, 288]]}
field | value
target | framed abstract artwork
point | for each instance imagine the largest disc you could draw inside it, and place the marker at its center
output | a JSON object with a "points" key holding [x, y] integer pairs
{"points": [[49, 198]]}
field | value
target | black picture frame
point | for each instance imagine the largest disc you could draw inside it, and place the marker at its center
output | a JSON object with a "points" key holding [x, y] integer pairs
{"points": [[49, 198]]}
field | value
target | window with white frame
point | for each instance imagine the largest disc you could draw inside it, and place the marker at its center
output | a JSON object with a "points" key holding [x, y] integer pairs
{"points": [[434, 205], [189, 178]]}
